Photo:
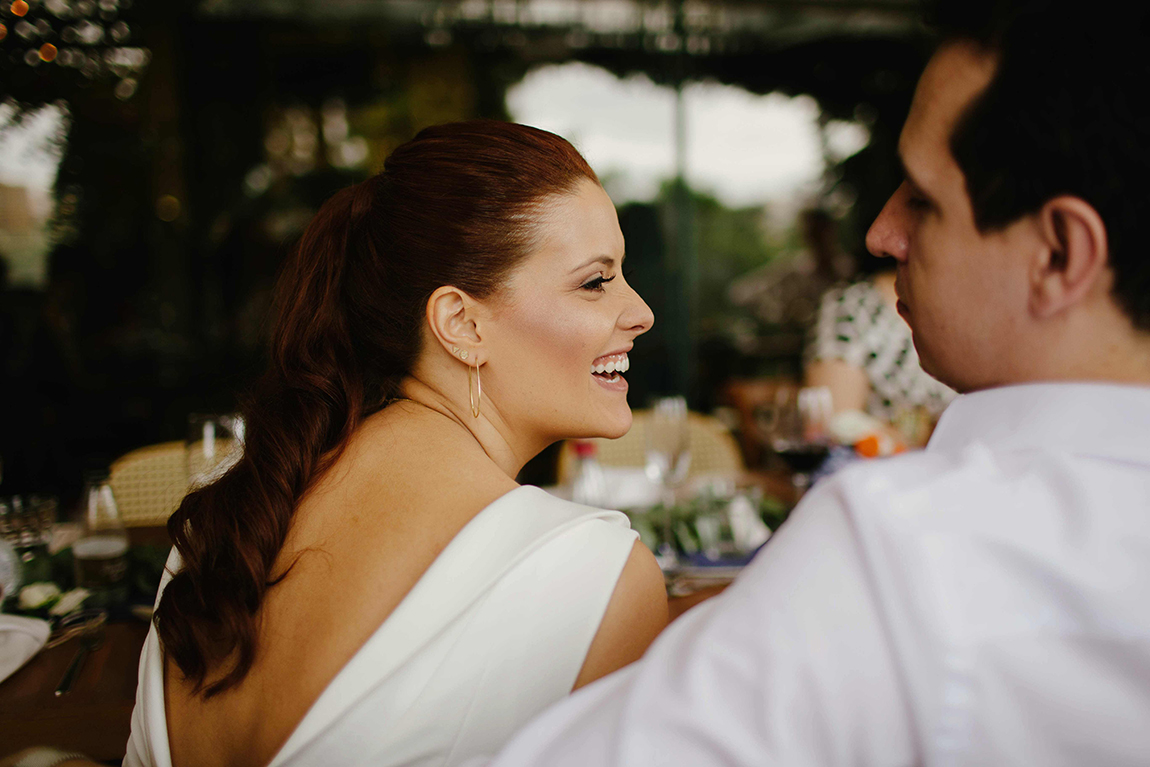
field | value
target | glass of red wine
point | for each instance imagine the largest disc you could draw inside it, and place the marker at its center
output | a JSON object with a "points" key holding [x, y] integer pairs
{"points": [[794, 426]]}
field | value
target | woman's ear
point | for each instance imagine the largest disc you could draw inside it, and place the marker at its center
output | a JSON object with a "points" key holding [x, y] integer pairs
{"points": [[454, 320], [1074, 255]]}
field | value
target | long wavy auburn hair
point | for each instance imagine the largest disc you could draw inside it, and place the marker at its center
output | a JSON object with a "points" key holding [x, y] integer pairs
{"points": [[457, 205]]}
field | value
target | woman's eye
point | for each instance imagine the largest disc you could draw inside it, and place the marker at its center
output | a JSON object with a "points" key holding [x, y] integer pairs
{"points": [[597, 283]]}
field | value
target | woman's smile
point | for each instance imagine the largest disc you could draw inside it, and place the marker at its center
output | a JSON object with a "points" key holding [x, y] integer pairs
{"points": [[608, 371]]}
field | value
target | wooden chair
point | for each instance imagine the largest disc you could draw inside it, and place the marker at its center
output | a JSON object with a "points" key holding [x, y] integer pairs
{"points": [[149, 483], [713, 449]]}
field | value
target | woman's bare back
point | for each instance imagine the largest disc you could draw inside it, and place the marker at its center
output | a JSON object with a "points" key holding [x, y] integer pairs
{"points": [[360, 541]]}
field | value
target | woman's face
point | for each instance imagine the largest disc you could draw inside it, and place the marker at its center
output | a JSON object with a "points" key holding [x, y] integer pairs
{"points": [[567, 312]]}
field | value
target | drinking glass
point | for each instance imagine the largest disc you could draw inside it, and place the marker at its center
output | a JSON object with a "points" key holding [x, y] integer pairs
{"points": [[668, 460], [795, 427], [214, 445], [100, 555], [9, 572], [26, 523]]}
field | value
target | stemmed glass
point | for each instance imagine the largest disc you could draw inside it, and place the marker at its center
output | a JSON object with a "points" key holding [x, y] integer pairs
{"points": [[214, 445], [668, 460], [796, 429], [9, 571]]}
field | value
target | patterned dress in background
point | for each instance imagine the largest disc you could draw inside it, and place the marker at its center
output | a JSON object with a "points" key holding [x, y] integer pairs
{"points": [[855, 325]]}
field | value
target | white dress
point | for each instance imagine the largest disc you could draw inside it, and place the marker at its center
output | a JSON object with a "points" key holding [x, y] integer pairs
{"points": [[496, 630]]}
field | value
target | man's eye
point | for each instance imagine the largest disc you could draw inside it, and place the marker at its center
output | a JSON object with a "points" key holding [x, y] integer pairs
{"points": [[597, 283], [917, 202]]}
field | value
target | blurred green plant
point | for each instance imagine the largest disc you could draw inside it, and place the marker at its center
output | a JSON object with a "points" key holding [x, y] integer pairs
{"points": [[700, 524], [730, 242]]}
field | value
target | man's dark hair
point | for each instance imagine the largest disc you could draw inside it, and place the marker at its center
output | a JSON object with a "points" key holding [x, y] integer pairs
{"points": [[1067, 112]]}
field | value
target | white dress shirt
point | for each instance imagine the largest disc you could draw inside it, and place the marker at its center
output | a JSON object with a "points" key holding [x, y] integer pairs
{"points": [[983, 602]]}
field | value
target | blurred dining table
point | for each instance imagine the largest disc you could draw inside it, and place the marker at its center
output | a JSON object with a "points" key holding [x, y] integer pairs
{"points": [[94, 717]]}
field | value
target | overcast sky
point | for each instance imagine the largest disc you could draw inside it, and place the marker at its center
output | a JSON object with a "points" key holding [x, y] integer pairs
{"points": [[26, 155], [745, 149]]}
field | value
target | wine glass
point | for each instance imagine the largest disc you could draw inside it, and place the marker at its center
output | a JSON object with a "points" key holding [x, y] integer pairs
{"points": [[9, 571], [668, 460], [214, 445], [795, 427]]}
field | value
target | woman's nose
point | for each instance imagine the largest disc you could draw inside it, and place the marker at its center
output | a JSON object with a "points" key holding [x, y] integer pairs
{"points": [[637, 317]]}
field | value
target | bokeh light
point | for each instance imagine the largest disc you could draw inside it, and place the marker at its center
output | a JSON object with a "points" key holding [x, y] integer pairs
{"points": [[168, 208], [47, 52], [19, 8]]}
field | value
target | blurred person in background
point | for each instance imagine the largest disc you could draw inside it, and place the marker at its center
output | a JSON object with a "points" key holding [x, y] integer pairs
{"points": [[369, 584], [786, 291], [983, 601], [861, 349]]}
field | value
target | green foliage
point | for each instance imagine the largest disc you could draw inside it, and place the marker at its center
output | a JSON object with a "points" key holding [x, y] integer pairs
{"points": [[729, 242], [694, 522]]}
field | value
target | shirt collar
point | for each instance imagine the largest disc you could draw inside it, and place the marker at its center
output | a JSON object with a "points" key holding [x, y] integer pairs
{"points": [[1101, 420]]}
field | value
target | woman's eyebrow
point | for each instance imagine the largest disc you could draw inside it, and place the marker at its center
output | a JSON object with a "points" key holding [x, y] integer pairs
{"points": [[606, 260]]}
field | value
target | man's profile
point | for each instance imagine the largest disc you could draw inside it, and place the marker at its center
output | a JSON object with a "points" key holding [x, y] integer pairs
{"points": [[983, 601]]}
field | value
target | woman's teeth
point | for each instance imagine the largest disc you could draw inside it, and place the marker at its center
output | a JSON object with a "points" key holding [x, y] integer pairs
{"points": [[616, 363]]}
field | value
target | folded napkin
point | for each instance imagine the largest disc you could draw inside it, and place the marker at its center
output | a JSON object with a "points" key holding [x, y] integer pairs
{"points": [[20, 639], [627, 488]]}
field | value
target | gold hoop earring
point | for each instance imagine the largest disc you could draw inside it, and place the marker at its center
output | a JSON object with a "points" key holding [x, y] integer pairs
{"points": [[475, 395]]}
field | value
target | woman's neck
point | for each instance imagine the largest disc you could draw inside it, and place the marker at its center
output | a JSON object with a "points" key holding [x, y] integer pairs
{"points": [[488, 430]]}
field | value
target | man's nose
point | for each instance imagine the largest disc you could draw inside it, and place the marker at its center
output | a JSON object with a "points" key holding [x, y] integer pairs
{"points": [[888, 235]]}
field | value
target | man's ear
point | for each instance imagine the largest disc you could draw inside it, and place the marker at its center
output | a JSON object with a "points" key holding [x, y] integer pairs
{"points": [[1073, 256], [453, 317]]}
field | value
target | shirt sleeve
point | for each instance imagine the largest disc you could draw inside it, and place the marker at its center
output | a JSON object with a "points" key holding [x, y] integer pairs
{"points": [[789, 666]]}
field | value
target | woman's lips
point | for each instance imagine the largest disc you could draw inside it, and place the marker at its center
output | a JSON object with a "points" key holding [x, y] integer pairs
{"points": [[614, 383], [608, 371]]}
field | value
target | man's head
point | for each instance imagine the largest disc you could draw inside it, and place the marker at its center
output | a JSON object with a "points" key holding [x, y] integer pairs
{"points": [[1027, 155]]}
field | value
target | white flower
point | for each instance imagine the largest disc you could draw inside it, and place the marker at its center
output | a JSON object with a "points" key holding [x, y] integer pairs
{"points": [[37, 595], [69, 601]]}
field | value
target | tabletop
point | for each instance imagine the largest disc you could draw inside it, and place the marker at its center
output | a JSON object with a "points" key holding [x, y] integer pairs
{"points": [[94, 717]]}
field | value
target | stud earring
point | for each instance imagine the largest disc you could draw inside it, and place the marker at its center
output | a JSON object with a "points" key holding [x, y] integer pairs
{"points": [[463, 354]]}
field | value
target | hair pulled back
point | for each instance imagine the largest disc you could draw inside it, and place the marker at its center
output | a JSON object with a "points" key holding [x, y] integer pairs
{"points": [[457, 205]]}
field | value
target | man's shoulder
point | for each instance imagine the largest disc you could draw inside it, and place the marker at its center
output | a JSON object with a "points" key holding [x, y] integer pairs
{"points": [[921, 511], [959, 535], [912, 486]]}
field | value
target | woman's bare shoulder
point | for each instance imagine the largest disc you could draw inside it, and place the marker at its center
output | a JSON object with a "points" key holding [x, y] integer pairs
{"points": [[635, 615]]}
